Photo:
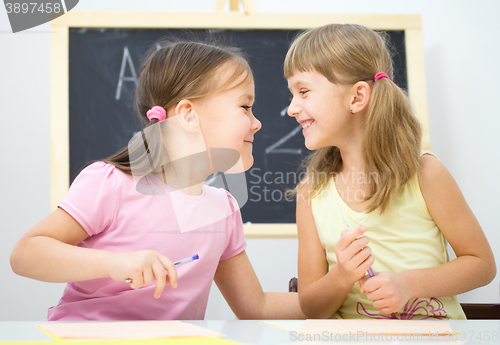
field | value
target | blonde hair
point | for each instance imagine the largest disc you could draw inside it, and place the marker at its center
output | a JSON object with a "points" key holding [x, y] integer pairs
{"points": [[177, 71], [347, 54]]}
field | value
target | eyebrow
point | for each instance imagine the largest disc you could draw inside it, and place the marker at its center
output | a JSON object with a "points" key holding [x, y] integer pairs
{"points": [[247, 96], [297, 83]]}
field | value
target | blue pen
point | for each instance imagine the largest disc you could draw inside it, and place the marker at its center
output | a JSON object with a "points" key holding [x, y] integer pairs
{"points": [[177, 263], [186, 260]]}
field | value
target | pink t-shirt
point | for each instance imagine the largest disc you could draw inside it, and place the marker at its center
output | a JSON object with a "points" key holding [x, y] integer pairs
{"points": [[118, 218]]}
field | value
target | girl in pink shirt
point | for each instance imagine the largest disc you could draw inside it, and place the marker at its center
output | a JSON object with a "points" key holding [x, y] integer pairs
{"points": [[124, 221]]}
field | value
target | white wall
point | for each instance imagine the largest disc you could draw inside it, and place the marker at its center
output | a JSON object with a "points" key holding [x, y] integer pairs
{"points": [[461, 42]]}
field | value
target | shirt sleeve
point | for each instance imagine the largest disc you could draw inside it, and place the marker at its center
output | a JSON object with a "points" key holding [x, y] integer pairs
{"points": [[92, 198], [236, 238]]}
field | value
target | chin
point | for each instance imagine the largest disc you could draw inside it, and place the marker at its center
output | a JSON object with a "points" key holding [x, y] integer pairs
{"points": [[247, 163], [311, 145]]}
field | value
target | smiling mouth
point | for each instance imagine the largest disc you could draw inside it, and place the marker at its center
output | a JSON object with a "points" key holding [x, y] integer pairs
{"points": [[306, 123]]}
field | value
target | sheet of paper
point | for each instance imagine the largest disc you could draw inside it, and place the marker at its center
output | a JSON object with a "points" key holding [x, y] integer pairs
{"points": [[288, 325], [365, 327], [163, 341], [126, 330]]}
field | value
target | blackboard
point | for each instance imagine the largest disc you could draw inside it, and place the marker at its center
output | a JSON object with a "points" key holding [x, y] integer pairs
{"points": [[103, 67]]}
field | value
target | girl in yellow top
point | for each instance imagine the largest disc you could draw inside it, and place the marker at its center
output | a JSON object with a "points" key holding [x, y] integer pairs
{"points": [[367, 173]]}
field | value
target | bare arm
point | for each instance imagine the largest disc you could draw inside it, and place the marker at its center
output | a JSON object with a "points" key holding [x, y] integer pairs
{"points": [[322, 292], [240, 286], [48, 252], [474, 265]]}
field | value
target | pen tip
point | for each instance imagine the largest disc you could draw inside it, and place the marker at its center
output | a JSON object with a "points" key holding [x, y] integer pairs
{"points": [[196, 257]]}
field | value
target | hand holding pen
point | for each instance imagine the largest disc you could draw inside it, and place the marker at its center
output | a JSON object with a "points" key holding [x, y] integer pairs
{"points": [[370, 271], [177, 263], [353, 255], [144, 268]]}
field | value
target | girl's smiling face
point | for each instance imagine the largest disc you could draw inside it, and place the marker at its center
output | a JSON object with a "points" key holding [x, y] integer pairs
{"points": [[321, 107], [226, 118]]}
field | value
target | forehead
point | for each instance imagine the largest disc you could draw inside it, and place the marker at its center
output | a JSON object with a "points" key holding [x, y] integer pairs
{"points": [[234, 79], [300, 78]]}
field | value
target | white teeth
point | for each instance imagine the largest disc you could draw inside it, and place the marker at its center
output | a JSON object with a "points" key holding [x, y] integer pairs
{"points": [[305, 125]]}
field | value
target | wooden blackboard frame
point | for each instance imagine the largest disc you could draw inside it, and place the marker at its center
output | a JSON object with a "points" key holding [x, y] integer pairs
{"points": [[59, 67]]}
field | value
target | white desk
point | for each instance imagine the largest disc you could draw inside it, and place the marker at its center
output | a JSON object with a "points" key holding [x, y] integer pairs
{"points": [[257, 333]]}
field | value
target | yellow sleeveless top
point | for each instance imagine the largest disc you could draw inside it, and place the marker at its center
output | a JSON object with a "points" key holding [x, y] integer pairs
{"points": [[403, 238]]}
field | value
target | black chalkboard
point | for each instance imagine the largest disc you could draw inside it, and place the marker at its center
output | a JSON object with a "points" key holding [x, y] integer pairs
{"points": [[103, 64]]}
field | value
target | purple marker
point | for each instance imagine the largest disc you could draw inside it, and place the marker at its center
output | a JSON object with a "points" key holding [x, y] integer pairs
{"points": [[370, 271]]}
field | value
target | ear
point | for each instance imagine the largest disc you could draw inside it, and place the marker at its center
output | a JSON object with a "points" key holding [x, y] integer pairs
{"points": [[360, 94], [187, 116]]}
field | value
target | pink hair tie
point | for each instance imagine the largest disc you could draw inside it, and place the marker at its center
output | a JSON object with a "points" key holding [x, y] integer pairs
{"points": [[380, 75], [157, 112]]}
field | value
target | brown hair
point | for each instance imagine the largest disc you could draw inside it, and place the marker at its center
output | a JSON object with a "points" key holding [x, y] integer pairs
{"points": [[176, 71], [347, 54]]}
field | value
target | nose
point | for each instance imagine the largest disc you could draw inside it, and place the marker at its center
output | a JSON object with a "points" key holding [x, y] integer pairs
{"points": [[256, 124], [293, 108]]}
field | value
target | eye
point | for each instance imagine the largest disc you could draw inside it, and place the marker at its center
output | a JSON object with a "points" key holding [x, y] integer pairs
{"points": [[246, 107], [303, 92]]}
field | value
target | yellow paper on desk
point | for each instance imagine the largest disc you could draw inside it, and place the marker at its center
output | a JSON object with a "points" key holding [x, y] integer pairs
{"points": [[164, 341], [287, 325], [126, 330], [361, 328]]}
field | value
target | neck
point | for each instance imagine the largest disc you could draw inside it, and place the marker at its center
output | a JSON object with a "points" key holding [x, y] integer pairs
{"points": [[187, 174], [351, 152], [353, 166]]}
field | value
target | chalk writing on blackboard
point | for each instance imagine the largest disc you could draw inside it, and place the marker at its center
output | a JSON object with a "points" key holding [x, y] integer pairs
{"points": [[126, 60]]}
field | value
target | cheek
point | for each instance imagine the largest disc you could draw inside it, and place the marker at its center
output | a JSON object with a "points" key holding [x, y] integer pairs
{"points": [[312, 108], [246, 126], [229, 133], [240, 128]]}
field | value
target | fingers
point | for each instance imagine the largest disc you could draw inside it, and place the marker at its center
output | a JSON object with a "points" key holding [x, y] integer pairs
{"points": [[150, 266], [386, 306], [376, 295], [362, 283], [348, 236], [369, 284], [384, 296], [381, 300], [389, 310], [137, 280], [359, 256], [172, 272], [148, 276], [160, 277], [368, 263]]}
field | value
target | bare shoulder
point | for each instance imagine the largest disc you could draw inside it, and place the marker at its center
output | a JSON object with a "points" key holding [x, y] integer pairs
{"points": [[445, 202], [430, 167], [305, 186], [433, 175]]}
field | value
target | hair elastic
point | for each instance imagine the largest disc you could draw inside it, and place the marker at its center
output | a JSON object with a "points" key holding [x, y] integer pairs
{"points": [[157, 112], [380, 75]]}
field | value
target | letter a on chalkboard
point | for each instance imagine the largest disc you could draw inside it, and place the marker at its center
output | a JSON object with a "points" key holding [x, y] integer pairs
{"points": [[127, 59]]}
